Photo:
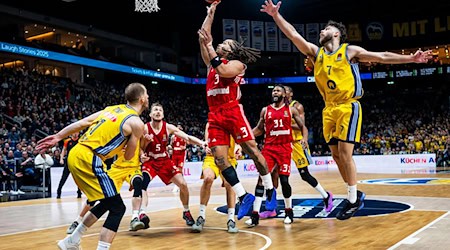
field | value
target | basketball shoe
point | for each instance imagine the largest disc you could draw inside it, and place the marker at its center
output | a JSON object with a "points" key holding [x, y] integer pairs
{"points": [[136, 224], [72, 227], [199, 224], [289, 217], [245, 205], [350, 209], [231, 225], [328, 202], [188, 218], [254, 220], [67, 244]]}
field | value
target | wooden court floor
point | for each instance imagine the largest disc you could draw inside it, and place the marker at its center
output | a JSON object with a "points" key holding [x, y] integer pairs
{"points": [[39, 224]]}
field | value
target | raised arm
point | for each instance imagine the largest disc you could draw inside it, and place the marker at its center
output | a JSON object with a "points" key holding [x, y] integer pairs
{"points": [[307, 48], [259, 129], [206, 28], [51, 140], [388, 57], [172, 129]]}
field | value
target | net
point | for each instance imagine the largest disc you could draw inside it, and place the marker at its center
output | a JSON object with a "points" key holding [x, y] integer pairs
{"points": [[146, 6]]}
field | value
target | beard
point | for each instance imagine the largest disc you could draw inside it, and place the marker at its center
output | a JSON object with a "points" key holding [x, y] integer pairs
{"points": [[325, 39], [277, 99]]}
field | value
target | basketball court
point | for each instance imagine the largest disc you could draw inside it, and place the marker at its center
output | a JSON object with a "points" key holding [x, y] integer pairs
{"points": [[412, 213]]}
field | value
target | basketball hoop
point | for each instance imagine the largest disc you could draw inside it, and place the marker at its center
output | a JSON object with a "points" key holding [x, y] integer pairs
{"points": [[146, 6]]}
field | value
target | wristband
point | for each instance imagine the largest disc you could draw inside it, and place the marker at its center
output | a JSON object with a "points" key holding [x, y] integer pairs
{"points": [[215, 62]]}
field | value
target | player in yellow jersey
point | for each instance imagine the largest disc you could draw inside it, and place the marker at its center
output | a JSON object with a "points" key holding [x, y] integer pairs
{"points": [[339, 83], [109, 131], [210, 172], [121, 171]]}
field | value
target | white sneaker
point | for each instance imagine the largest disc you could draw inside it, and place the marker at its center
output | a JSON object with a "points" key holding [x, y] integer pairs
{"points": [[66, 244], [287, 220], [20, 191], [175, 189], [14, 193]]}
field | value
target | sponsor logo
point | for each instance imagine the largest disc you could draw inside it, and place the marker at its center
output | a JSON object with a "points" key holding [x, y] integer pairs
{"points": [[374, 31], [408, 181], [314, 208]]}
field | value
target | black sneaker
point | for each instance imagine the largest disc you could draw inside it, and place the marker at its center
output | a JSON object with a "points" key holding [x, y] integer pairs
{"points": [[254, 220], [188, 218], [289, 217], [350, 209], [145, 219]]}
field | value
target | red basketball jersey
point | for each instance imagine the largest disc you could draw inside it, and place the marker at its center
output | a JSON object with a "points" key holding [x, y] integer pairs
{"points": [[278, 125], [178, 145], [157, 147], [221, 90]]}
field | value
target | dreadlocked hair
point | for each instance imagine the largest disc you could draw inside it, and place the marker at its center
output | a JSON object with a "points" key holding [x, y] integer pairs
{"points": [[244, 54]]}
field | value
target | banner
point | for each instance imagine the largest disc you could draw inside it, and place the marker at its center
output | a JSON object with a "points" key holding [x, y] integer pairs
{"points": [[257, 35], [301, 30], [285, 43], [244, 32], [229, 29], [312, 33], [271, 31]]}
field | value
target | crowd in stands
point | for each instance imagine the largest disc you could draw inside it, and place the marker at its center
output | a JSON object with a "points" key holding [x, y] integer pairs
{"points": [[32, 105]]}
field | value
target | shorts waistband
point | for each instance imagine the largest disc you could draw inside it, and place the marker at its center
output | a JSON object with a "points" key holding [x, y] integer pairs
{"points": [[340, 102]]}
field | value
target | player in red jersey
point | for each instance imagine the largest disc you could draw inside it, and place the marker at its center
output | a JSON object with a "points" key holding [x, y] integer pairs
{"points": [[275, 124], [226, 69], [178, 156], [155, 158]]}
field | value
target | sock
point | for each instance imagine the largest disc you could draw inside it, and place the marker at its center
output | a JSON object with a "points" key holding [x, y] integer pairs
{"points": [[239, 189], [257, 204], [351, 196], [135, 214], [78, 232], [202, 211], [288, 202], [267, 181], [185, 208], [103, 245], [79, 219], [321, 190], [231, 213]]}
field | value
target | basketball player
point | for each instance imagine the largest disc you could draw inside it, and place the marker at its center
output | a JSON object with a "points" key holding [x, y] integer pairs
{"points": [[109, 131], [210, 172], [129, 171], [301, 154], [226, 69], [68, 145], [338, 81], [178, 156], [155, 158], [275, 124]]}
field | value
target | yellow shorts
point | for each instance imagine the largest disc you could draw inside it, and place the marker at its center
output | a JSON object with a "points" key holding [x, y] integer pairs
{"points": [[122, 174], [342, 122], [208, 162], [89, 173], [301, 156]]}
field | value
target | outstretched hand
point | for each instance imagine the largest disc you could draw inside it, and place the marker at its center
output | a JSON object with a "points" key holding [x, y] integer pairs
{"points": [[270, 8], [423, 56], [47, 142], [212, 8], [204, 37]]}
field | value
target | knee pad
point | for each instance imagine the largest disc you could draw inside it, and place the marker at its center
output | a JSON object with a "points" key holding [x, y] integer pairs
{"points": [[306, 176], [285, 186], [137, 185], [99, 210], [146, 180], [230, 175], [116, 209], [259, 191]]}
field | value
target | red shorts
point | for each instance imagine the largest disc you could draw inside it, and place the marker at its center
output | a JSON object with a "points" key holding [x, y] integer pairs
{"points": [[163, 168], [178, 160], [278, 155], [226, 121]]}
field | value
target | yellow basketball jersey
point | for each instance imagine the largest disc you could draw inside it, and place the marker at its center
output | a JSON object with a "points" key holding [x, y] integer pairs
{"points": [[337, 79], [296, 134], [105, 136], [133, 162]]}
